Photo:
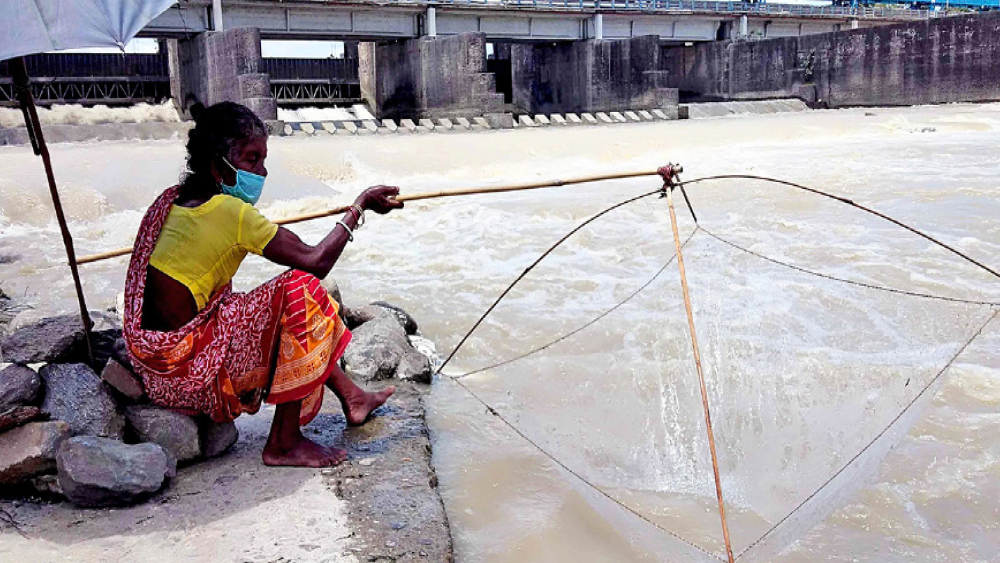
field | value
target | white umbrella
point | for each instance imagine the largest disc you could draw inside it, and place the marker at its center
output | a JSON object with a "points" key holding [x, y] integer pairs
{"points": [[38, 26]]}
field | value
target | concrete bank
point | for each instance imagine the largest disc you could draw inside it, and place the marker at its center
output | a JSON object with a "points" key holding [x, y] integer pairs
{"points": [[381, 504], [941, 60]]}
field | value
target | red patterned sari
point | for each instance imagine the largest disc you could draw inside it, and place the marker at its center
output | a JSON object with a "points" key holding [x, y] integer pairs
{"points": [[277, 342]]}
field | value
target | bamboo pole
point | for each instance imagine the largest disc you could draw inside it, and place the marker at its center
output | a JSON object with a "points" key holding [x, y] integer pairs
{"points": [[416, 197], [22, 87], [701, 374]]}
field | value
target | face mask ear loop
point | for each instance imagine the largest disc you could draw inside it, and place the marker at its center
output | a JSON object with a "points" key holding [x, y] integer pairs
{"points": [[230, 165]]}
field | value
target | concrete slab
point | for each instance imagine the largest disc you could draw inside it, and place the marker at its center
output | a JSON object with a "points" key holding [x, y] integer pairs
{"points": [[446, 124], [388, 126], [604, 118], [558, 119], [500, 120], [308, 128], [631, 116], [589, 119], [427, 124], [480, 122], [347, 127], [526, 121], [462, 122], [330, 127], [409, 125], [573, 119], [645, 115], [370, 126], [617, 116], [658, 113], [542, 120], [289, 130]]}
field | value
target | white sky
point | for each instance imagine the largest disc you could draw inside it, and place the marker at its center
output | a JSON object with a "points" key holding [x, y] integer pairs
{"points": [[270, 49]]}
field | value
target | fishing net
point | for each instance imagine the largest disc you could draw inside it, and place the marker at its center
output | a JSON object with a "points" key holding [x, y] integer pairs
{"points": [[822, 340]]}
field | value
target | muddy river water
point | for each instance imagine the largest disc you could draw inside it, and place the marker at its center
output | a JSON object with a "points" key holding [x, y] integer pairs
{"points": [[807, 377]]}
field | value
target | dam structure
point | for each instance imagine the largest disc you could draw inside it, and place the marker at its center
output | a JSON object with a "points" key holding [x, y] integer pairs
{"points": [[414, 60]]}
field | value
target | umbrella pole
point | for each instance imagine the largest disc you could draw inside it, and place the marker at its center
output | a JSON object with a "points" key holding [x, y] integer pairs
{"points": [[22, 88]]}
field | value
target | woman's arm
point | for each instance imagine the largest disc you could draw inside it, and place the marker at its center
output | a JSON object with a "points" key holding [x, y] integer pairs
{"points": [[287, 249]]}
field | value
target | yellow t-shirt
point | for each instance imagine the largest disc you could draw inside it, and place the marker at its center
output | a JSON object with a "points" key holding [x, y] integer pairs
{"points": [[202, 247]]}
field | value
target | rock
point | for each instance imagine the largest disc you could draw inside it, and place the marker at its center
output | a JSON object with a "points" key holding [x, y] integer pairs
{"points": [[74, 393], [97, 471], [120, 353], [216, 439], [331, 287], [377, 348], [360, 315], [36, 336], [31, 339], [16, 416], [176, 433], [415, 366], [19, 385], [104, 344], [47, 485], [409, 323], [30, 450], [122, 380]]}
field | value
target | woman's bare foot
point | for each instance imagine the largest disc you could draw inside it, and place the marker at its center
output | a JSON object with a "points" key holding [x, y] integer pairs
{"points": [[305, 453], [287, 446], [358, 407]]}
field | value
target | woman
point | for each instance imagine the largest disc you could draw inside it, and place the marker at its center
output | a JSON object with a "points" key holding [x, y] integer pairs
{"points": [[199, 347]]}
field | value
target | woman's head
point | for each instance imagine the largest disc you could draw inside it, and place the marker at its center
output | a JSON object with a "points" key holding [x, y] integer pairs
{"points": [[225, 136]]}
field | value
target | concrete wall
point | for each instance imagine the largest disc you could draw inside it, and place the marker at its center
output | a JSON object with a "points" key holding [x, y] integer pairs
{"points": [[589, 76], [952, 59], [213, 67], [429, 77]]}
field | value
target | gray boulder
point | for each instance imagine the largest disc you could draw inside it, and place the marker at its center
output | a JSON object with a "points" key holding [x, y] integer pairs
{"points": [[30, 450], [414, 366], [31, 339], [360, 315], [331, 287], [97, 471], [176, 433], [19, 385], [74, 393], [408, 323], [216, 439], [376, 348]]}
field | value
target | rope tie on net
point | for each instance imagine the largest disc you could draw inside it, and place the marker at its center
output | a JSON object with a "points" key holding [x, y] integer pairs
{"points": [[672, 182]]}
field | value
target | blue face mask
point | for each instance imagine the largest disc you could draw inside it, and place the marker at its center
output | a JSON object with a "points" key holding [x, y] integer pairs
{"points": [[248, 185]]}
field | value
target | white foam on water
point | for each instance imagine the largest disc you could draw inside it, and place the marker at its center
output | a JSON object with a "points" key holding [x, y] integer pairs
{"points": [[801, 373], [75, 114]]}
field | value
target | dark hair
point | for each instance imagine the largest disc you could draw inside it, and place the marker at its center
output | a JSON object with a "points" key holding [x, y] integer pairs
{"points": [[216, 133]]}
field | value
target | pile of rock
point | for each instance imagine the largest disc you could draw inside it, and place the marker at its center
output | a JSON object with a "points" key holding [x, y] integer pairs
{"points": [[381, 347], [93, 439]]}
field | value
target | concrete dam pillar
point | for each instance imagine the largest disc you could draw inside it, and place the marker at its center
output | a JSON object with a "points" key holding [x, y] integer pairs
{"points": [[590, 76], [222, 66], [429, 77]]}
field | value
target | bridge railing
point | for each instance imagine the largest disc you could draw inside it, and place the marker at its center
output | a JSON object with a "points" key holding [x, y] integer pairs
{"points": [[707, 6]]}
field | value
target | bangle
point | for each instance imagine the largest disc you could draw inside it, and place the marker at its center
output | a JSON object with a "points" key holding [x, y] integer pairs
{"points": [[350, 233], [361, 214]]}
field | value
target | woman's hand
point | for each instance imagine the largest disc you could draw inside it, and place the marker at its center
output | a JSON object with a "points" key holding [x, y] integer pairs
{"points": [[380, 199]]}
